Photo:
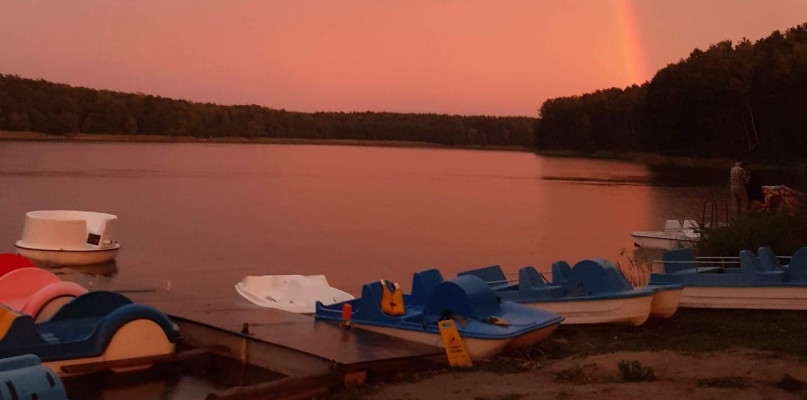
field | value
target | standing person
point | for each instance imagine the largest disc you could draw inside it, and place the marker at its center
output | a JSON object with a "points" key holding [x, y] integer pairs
{"points": [[756, 198], [739, 194]]}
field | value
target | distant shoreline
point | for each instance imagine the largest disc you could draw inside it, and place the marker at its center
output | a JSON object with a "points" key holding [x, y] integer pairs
{"points": [[105, 137], [638, 157]]}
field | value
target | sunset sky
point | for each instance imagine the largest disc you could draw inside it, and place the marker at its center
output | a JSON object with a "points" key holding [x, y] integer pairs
{"points": [[468, 57]]}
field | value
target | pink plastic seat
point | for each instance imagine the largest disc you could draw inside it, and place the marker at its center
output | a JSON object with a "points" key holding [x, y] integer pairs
{"points": [[9, 262], [31, 290]]}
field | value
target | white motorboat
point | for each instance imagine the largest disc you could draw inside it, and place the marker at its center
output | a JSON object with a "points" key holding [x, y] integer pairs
{"points": [[66, 237], [294, 293], [674, 236]]}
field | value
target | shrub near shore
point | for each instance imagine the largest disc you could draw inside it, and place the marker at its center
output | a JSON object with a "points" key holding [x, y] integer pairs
{"points": [[783, 233]]}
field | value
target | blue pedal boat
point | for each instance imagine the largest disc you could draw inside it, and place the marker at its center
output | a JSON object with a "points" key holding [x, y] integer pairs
{"points": [[24, 377], [485, 325], [593, 292], [93, 327], [760, 282]]}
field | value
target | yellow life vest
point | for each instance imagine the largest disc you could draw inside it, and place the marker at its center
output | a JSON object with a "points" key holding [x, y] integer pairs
{"points": [[391, 300]]}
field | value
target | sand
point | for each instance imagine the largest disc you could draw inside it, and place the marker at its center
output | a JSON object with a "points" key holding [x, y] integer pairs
{"points": [[749, 374]]}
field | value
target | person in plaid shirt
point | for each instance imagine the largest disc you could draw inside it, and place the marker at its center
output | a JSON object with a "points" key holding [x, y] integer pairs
{"points": [[739, 193]]}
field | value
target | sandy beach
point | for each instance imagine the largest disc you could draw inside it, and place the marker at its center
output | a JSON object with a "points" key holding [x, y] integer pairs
{"points": [[737, 373]]}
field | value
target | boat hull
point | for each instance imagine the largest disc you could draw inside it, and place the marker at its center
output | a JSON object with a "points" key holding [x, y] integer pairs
{"points": [[478, 349], [661, 243], [630, 310], [746, 297], [665, 302], [69, 257], [530, 338]]}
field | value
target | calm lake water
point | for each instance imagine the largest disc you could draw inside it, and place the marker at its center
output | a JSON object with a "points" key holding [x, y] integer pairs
{"points": [[203, 216]]}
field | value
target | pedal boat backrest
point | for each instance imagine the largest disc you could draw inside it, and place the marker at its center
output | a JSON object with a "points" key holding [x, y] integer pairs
{"points": [[560, 272], [753, 271], [595, 276], [768, 259], [82, 328], [10, 262], [18, 285], [492, 275], [531, 285], [17, 330], [797, 270], [423, 284], [678, 260], [24, 377], [465, 295]]}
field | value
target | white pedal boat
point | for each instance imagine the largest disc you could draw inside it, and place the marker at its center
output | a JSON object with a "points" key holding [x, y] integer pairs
{"points": [[65, 237], [293, 293], [674, 236]]}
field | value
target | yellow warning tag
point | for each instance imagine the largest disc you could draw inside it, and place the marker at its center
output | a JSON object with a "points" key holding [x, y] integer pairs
{"points": [[455, 348]]}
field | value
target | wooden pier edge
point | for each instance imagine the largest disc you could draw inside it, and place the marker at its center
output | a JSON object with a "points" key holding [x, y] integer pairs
{"points": [[141, 361], [290, 388]]}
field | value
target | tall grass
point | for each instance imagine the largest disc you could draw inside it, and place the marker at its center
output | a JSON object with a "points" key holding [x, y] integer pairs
{"points": [[637, 274]]}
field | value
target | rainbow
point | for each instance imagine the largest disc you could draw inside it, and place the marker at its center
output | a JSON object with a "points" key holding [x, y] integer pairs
{"points": [[631, 46]]}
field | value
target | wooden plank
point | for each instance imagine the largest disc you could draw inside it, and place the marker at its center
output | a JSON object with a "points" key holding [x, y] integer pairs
{"points": [[140, 361]]}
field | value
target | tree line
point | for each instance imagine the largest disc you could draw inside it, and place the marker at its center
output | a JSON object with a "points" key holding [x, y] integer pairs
{"points": [[729, 100], [59, 109], [736, 100]]}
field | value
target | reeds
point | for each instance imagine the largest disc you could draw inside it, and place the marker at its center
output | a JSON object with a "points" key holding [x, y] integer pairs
{"points": [[637, 274]]}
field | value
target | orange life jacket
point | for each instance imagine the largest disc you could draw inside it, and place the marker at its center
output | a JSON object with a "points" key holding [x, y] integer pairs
{"points": [[391, 299]]}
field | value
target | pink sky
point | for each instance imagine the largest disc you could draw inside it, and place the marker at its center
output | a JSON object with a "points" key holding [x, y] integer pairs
{"points": [[465, 57]]}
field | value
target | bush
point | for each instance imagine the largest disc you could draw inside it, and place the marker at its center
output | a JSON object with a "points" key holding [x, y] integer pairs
{"points": [[725, 382], [783, 233], [634, 372]]}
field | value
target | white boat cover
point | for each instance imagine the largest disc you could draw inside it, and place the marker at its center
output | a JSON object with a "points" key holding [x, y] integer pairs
{"points": [[294, 293]]}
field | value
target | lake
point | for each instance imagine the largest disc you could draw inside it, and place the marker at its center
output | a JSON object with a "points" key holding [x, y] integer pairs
{"points": [[200, 216]]}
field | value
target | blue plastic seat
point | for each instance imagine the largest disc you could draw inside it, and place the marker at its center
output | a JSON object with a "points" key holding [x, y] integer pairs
{"points": [[493, 276], [753, 271], [560, 272], [423, 284], [531, 285], [80, 329], [797, 270], [595, 276], [24, 377], [768, 259]]}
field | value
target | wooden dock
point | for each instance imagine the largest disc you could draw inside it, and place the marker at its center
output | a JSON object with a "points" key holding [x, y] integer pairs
{"points": [[291, 344]]}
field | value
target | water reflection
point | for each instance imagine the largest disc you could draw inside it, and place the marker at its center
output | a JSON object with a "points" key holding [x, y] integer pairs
{"points": [[107, 269]]}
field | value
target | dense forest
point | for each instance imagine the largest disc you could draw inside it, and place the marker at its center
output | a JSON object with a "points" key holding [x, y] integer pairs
{"points": [[40, 106], [737, 100]]}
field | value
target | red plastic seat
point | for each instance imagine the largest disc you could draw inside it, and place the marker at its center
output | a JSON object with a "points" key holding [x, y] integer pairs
{"points": [[9, 262]]}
